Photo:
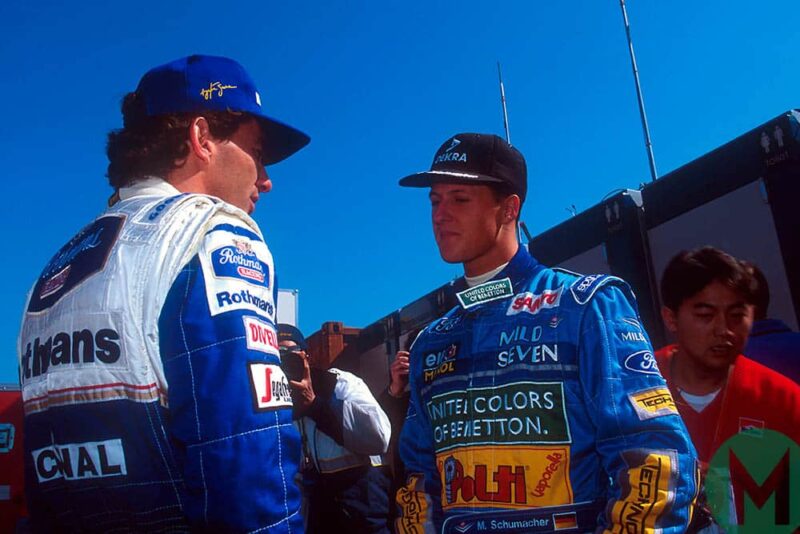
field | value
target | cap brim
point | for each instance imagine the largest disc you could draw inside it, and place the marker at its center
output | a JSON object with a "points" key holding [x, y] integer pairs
{"points": [[280, 140], [425, 179]]}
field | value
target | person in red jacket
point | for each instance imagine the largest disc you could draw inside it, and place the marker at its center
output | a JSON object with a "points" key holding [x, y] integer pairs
{"points": [[708, 299], [708, 307]]}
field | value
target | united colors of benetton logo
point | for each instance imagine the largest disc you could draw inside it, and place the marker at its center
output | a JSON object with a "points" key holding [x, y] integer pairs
{"points": [[486, 292]]}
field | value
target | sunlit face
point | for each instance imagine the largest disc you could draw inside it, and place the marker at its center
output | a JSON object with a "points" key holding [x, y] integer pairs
{"points": [[712, 326], [238, 176], [466, 223]]}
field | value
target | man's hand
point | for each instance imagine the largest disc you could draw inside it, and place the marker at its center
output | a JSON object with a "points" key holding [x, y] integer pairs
{"points": [[303, 390], [399, 373]]}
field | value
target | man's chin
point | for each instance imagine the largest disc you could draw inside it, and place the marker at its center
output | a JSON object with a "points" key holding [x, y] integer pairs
{"points": [[450, 256]]}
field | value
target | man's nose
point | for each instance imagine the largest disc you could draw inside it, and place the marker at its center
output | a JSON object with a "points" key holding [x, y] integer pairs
{"points": [[441, 212], [263, 183]]}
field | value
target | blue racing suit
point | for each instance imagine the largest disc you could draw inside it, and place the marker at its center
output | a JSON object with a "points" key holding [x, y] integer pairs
{"points": [[153, 396], [537, 405]]}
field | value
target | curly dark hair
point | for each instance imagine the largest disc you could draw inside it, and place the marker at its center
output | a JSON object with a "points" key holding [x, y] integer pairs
{"points": [[148, 145], [689, 272]]}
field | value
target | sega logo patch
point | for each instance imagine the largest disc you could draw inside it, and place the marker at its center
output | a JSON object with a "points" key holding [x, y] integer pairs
{"points": [[653, 402], [261, 336], [239, 261], [269, 387], [642, 362], [532, 303]]}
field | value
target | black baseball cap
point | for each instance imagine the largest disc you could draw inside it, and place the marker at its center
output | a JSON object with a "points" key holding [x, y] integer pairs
{"points": [[287, 332], [474, 158], [198, 83]]}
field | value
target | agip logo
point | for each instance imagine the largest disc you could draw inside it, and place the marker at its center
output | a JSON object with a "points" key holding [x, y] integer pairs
{"points": [[753, 483]]}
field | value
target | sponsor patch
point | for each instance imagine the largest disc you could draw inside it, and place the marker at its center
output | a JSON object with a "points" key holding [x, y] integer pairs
{"points": [[78, 347], [415, 506], [752, 427], [269, 387], [642, 362], [153, 215], [85, 255], [532, 303], [583, 289], [634, 337], [647, 491], [237, 269], [239, 261], [543, 353], [653, 402], [518, 413], [505, 477], [80, 461], [261, 336], [446, 324], [487, 292], [6, 437], [439, 363]]}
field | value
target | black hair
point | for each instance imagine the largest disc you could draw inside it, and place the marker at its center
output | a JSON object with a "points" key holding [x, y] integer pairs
{"points": [[155, 146], [761, 293], [689, 272]]}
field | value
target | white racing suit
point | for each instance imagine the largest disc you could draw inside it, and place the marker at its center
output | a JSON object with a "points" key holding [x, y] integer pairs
{"points": [[154, 400]]}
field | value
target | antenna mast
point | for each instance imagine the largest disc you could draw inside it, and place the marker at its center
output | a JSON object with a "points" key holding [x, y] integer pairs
{"points": [[503, 103], [642, 114]]}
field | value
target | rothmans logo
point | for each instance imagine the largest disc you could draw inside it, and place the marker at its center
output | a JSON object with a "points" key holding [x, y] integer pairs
{"points": [[450, 155]]}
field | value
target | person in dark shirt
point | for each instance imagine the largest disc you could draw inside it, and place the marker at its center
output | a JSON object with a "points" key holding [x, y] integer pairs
{"points": [[772, 342]]}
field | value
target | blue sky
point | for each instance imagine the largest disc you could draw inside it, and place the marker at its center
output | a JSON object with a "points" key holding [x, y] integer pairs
{"points": [[378, 86]]}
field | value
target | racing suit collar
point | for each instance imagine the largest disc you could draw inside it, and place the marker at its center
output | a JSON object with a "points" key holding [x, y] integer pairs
{"points": [[520, 266], [148, 186]]}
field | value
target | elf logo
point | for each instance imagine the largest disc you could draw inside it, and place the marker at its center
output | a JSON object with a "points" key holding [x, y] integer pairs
{"points": [[80, 461]]}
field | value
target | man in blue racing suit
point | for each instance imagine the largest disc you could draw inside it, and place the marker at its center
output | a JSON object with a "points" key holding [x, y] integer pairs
{"points": [[536, 404], [153, 394]]}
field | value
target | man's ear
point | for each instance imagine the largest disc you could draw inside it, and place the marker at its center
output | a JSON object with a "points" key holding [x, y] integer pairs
{"points": [[200, 139], [510, 209], [670, 319]]}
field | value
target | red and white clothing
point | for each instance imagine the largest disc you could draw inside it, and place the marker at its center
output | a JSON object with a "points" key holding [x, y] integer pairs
{"points": [[754, 396]]}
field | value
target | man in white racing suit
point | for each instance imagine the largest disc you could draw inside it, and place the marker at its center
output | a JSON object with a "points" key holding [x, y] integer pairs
{"points": [[153, 394]]}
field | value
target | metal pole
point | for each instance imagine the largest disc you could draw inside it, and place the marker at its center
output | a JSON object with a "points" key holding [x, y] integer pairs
{"points": [[647, 142], [503, 103]]}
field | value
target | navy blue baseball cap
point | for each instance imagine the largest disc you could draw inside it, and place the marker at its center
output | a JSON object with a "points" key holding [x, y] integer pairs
{"points": [[199, 83], [473, 159], [287, 332]]}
